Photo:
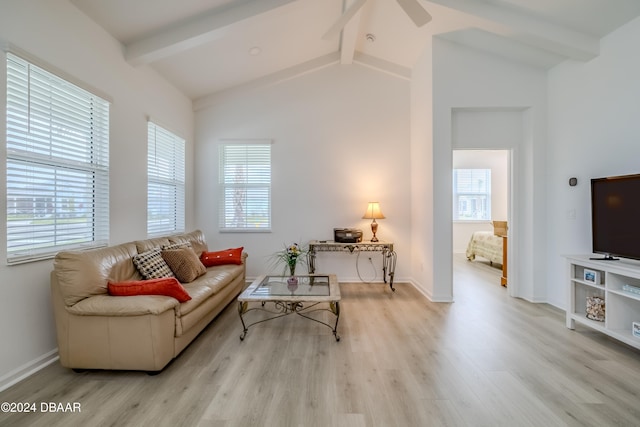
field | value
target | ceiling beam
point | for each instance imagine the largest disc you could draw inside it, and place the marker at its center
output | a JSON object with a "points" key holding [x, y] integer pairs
{"points": [[348, 12], [415, 12], [349, 37], [195, 31], [269, 80], [382, 65], [529, 30]]}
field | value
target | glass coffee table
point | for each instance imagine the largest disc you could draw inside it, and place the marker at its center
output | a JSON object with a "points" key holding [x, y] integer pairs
{"points": [[280, 297]]}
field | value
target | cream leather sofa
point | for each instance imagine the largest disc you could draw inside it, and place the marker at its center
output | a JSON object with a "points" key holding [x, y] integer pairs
{"points": [[145, 332]]}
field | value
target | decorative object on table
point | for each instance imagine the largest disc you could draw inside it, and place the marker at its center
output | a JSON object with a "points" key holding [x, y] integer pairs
{"points": [[291, 256], [373, 212], [595, 308], [591, 276], [631, 289], [635, 329], [292, 284], [347, 235]]}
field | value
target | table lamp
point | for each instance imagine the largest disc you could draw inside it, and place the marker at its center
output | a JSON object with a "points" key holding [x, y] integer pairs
{"points": [[373, 212]]}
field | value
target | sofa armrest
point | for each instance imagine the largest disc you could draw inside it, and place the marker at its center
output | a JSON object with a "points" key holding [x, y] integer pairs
{"points": [[138, 305]]}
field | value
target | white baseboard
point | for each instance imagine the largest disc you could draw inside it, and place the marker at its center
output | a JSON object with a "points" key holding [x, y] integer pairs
{"points": [[28, 369], [426, 293]]}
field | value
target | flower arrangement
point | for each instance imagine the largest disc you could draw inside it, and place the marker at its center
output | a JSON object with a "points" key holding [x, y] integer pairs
{"points": [[291, 256]]}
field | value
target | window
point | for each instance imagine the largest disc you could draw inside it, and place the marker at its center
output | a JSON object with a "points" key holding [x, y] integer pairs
{"points": [[57, 164], [245, 181], [165, 181], [471, 194]]}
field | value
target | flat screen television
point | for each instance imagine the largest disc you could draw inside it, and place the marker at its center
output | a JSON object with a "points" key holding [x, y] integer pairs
{"points": [[615, 216]]}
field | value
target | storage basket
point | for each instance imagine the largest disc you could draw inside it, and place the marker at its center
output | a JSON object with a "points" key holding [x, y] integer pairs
{"points": [[595, 308]]}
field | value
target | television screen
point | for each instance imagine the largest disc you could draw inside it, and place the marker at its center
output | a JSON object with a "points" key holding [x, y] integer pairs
{"points": [[615, 216]]}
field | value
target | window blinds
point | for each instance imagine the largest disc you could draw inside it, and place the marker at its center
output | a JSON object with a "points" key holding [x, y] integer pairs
{"points": [[57, 164], [165, 185], [472, 194], [245, 181]]}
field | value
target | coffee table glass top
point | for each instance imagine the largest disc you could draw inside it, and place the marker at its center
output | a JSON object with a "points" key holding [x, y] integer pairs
{"points": [[281, 297], [307, 285], [309, 288]]}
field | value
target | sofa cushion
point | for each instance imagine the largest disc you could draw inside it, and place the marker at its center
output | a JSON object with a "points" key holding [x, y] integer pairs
{"points": [[198, 293], [151, 264], [217, 278], [228, 256], [184, 263], [107, 305], [81, 274], [148, 244], [195, 239], [192, 312], [168, 286], [176, 246]]}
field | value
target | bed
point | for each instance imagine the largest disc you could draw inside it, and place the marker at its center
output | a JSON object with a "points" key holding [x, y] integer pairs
{"points": [[486, 245], [491, 245]]}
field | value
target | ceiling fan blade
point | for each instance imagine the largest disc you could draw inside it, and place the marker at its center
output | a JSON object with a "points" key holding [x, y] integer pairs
{"points": [[344, 19], [415, 11]]}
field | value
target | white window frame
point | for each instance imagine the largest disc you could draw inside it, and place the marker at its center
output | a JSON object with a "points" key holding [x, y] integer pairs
{"points": [[165, 181], [476, 190], [57, 163], [245, 186]]}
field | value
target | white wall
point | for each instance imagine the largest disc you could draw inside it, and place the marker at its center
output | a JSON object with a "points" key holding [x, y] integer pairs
{"points": [[340, 139], [57, 33], [496, 160], [422, 199], [468, 79], [594, 131]]}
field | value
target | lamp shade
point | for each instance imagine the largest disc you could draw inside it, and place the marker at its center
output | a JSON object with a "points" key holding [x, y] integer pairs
{"points": [[373, 211]]}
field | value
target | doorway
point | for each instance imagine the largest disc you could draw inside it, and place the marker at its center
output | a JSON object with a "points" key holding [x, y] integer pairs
{"points": [[481, 195], [507, 129]]}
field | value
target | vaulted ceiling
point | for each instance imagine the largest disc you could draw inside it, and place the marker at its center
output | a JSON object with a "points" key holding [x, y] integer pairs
{"points": [[207, 46]]}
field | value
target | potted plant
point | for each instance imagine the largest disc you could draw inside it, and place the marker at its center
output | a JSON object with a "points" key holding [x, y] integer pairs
{"points": [[291, 256]]}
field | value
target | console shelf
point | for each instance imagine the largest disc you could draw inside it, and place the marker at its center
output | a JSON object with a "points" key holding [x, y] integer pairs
{"points": [[606, 280]]}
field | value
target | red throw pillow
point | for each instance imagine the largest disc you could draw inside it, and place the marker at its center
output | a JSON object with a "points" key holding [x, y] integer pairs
{"points": [[229, 256], [167, 286]]}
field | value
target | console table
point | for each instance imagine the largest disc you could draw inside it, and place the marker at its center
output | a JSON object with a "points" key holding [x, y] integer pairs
{"points": [[388, 254]]}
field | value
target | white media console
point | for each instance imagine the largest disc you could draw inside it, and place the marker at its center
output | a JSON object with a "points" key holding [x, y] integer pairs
{"points": [[616, 284]]}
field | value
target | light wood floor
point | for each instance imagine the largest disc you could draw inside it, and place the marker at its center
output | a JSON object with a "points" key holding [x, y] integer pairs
{"points": [[485, 360]]}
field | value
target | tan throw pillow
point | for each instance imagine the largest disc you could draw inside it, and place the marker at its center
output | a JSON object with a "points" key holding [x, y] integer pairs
{"points": [[184, 263]]}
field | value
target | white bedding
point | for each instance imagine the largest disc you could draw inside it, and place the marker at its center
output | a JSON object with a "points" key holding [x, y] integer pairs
{"points": [[486, 245]]}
